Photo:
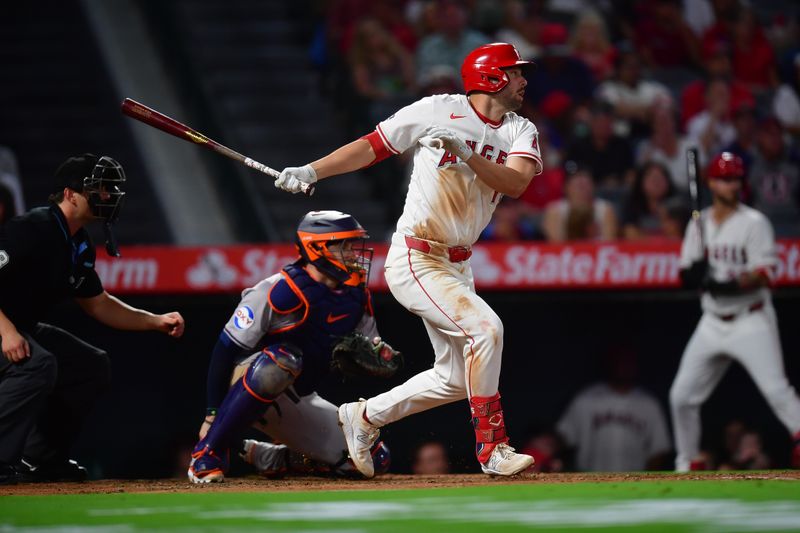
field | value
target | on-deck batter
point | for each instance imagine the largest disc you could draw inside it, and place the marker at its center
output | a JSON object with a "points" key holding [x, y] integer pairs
{"points": [[468, 152], [732, 263]]}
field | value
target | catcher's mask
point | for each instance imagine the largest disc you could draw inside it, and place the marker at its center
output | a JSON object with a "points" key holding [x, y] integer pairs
{"points": [[100, 180], [336, 244]]}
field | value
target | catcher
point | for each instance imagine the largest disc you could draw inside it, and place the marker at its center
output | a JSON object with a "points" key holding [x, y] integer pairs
{"points": [[284, 337]]}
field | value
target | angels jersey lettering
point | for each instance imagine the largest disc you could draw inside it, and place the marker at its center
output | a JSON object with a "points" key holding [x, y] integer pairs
{"points": [[446, 202]]}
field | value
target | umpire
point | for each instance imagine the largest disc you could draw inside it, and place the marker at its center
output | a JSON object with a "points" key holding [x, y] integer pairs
{"points": [[49, 378]]}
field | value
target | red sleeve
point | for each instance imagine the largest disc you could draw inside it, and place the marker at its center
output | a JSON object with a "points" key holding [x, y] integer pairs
{"points": [[380, 149]]}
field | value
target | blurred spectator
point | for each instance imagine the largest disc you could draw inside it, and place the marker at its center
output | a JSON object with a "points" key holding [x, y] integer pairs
{"points": [[557, 71], [547, 450], [430, 459], [677, 217], [753, 57], [452, 41], [510, 222], [616, 426], [745, 123], [731, 437], [774, 180], [717, 65], [712, 130], [580, 215], [423, 16], [726, 13], [608, 155], [487, 16], [749, 453], [664, 37], [344, 17], [666, 146], [7, 207], [786, 103], [382, 70], [9, 176], [633, 98], [549, 185], [699, 15], [442, 79], [591, 45], [645, 213], [522, 28]]}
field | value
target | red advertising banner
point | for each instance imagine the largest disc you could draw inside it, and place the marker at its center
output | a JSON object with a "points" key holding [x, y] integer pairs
{"points": [[495, 266]]}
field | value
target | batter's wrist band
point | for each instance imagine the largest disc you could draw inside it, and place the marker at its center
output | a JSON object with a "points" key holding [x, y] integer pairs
{"points": [[211, 411]]}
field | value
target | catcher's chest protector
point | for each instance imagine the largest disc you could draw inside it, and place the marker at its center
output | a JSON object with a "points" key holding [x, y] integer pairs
{"points": [[328, 315]]}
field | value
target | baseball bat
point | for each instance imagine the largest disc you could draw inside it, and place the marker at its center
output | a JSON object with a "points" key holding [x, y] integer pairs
{"points": [[158, 120], [693, 171]]}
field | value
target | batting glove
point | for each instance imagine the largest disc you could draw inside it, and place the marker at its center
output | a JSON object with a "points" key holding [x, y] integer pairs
{"points": [[296, 179], [438, 137]]}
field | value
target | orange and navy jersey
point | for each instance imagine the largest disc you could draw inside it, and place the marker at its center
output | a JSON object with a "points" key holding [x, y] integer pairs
{"points": [[291, 307]]}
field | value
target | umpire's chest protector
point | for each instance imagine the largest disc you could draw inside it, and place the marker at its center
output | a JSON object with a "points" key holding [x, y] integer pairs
{"points": [[327, 315]]}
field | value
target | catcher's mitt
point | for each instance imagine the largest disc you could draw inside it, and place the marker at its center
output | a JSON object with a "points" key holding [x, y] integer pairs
{"points": [[357, 355]]}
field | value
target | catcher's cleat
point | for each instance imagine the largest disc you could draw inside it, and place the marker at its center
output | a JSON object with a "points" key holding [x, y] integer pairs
{"points": [[271, 460], [359, 434], [505, 462], [796, 451], [207, 466]]}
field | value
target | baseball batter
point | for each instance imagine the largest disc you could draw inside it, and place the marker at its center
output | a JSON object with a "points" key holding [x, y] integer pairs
{"points": [[732, 263], [469, 150]]}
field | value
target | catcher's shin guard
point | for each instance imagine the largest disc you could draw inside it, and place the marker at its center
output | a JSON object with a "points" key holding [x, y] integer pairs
{"points": [[490, 428], [273, 371], [265, 379]]}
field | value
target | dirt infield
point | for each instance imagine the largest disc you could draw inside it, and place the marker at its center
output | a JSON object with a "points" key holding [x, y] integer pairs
{"points": [[387, 482]]}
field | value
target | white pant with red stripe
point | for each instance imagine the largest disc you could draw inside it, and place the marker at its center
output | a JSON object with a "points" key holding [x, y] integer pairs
{"points": [[752, 340], [466, 334]]}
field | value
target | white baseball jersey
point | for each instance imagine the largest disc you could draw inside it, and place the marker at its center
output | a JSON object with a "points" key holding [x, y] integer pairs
{"points": [[613, 431], [744, 242], [741, 328], [446, 202]]}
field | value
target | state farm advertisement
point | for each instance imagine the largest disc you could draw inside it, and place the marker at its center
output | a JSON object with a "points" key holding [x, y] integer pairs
{"points": [[495, 266]]}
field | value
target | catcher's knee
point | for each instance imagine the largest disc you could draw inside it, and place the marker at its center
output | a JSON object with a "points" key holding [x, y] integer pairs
{"points": [[273, 371]]}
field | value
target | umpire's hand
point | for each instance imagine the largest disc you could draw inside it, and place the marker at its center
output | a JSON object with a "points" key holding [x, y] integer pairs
{"points": [[15, 347], [171, 323]]}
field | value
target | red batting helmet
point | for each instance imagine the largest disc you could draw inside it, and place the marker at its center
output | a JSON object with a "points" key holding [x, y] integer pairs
{"points": [[486, 63], [727, 166]]}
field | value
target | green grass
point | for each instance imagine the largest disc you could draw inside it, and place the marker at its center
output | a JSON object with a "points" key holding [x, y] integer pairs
{"points": [[652, 505]]}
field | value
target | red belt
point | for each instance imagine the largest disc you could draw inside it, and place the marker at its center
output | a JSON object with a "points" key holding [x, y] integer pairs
{"points": [[755, 307], [456, 254]]}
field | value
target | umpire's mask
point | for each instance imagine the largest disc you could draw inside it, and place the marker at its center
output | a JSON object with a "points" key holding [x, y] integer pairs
{"points": [[103, 189], [100, 179]]}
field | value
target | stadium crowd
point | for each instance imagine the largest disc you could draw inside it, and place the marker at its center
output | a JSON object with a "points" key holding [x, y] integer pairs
{"points": [[620, 91]]}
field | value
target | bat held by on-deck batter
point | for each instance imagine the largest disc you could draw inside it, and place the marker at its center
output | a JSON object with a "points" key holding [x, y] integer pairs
{"points": [[160, 121], [693, 173]]}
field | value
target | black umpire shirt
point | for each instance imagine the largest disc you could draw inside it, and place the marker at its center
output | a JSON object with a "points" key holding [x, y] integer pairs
{"points": [[41, 264]]}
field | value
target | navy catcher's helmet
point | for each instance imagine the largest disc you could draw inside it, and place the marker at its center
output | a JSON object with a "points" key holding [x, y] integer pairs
{"points": [[335, 243]]}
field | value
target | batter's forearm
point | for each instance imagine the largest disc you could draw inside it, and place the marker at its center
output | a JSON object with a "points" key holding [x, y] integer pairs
{"points": [[500, 178], [348, 158]]}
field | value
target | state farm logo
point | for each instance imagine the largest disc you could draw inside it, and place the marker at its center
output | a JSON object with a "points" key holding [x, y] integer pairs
{"points": [[212, 268], [121, 273]]}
